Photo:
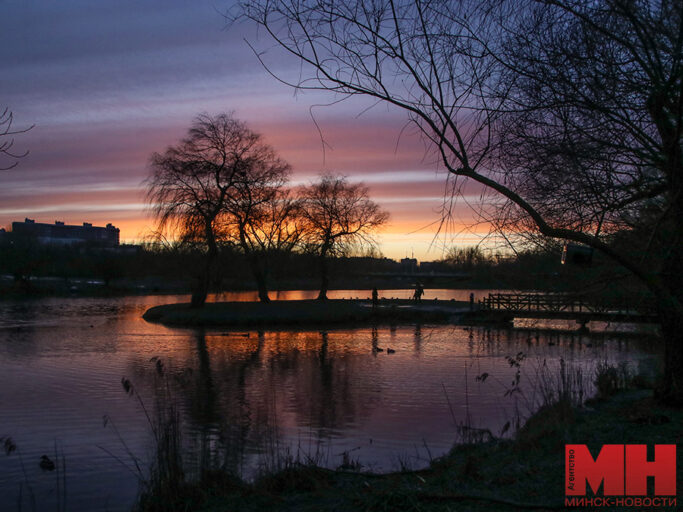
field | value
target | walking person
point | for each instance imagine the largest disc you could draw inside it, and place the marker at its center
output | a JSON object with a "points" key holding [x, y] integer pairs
{"points": [[419, 292]]}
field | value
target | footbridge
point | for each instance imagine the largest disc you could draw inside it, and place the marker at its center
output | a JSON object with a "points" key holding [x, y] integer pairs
{"points": [[505, 307]]}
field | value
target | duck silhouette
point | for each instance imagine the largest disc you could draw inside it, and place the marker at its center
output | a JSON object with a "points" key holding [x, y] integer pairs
{"points": [[390, 351], [46, 464]]}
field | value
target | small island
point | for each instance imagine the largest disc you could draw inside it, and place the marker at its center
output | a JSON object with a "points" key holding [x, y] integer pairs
{"points": [[307, 312]]}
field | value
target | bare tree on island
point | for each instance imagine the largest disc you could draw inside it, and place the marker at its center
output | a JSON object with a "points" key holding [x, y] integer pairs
{"points": [[339, 216], [190, 183], [262, 217], [570, 111], [215, 179]]}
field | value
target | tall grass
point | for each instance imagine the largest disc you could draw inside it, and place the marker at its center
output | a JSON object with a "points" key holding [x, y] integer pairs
{"points": [[565, 385], [554, 392], [543, 391], [162, 488], [609, 379], [170, 482]]}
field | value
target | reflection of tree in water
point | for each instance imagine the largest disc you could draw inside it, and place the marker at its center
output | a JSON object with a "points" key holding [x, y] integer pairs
{"points": [[221, 415], [205, 431], [291, 380], [331, 380], [242, 393], [324, 413]]}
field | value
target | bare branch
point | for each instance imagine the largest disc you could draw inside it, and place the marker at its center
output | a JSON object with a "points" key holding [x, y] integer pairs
{"points": [[7, 133]]}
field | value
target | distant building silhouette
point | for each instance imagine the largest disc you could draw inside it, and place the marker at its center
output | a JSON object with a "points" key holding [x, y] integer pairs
{"points": [[409, 265], [63, 234]]}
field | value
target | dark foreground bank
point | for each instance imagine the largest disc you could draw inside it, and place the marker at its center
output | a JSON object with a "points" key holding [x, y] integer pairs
{"points": [[306, 312], [486, 473]]}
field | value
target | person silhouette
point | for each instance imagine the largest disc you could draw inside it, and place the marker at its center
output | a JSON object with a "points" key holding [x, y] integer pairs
{"points": [[419, 292]]}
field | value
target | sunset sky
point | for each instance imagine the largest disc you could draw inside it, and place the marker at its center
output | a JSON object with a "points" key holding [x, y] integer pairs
{"points": [[107, 83]]}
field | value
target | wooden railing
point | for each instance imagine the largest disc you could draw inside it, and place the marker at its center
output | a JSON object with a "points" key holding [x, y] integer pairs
{"points": [[563, 303]]}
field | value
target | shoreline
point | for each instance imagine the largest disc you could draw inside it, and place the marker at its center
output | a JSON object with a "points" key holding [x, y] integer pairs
{"points": [[527, 471]]}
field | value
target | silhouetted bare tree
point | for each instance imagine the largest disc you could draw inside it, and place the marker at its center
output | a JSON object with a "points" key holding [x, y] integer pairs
{"points": [[8, 157], [262, 217], [590, 137], [569, 111], [339, 216], [218, 185], [467, 257], [191, 183]]}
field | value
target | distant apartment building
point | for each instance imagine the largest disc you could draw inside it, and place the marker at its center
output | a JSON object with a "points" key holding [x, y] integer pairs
{"points": [[409, 265], [63, 234]]}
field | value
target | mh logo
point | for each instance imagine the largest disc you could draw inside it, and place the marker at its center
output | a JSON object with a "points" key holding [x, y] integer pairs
{"points": [[622, 470]]}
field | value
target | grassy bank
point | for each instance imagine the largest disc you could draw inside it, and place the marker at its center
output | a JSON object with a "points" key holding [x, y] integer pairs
{"points": [[304, 312], [525, 473]]}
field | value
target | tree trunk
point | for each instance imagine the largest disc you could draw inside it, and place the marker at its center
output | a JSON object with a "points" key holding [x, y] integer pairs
{"points": [[671, 306], [200, 293], [671, 309], [259, 277], [671, 391], [261, 286], [324, 278]]}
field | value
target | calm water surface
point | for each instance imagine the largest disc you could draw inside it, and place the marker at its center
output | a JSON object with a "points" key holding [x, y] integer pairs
{"points": [[246, 396]]}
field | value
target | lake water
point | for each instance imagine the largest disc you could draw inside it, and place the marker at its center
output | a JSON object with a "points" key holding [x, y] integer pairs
{"points": [[249, 399]]}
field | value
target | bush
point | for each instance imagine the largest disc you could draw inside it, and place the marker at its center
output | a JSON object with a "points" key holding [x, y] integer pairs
{"points": [[609, 379]]}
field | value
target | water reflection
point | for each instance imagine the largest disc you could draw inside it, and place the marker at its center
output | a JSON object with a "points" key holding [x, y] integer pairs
{"points": [[317, 395], [247, 397]]}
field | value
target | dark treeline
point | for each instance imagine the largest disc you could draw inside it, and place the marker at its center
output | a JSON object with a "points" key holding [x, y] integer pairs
{"points": [[541, 268], [32, 268]]}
